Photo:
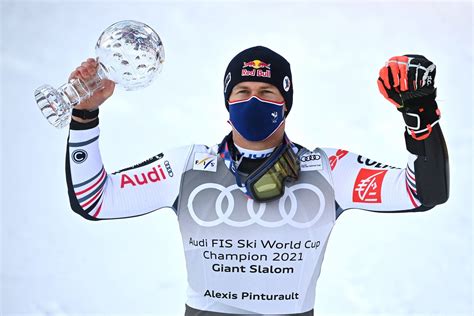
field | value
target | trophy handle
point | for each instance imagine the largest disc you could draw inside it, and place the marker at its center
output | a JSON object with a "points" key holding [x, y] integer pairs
{"points": [[56, 104]]}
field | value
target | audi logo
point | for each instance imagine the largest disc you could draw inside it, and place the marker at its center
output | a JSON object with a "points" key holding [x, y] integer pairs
{"points": [[255, 217], [168, 168], [310, 157]]}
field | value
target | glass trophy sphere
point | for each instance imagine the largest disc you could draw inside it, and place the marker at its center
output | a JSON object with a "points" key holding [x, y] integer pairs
{"points": [[131, 53]]}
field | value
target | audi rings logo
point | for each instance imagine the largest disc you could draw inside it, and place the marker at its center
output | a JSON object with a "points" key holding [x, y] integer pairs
{"points": [[255, 216], [79, 155], [306, 158], [168, 168]]}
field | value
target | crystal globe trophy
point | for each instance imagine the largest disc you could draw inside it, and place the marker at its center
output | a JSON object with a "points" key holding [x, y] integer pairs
{"points": [[130, 53]]}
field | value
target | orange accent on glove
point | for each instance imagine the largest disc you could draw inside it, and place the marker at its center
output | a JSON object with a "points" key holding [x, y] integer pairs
{"points": [[424, 136]]}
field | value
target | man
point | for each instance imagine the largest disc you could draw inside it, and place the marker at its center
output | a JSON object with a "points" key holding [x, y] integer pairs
{"points": [[256, 211]]}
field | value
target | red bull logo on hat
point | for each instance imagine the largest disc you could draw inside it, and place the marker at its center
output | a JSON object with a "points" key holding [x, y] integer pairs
{"points": [[259, 69], [256, 64]]}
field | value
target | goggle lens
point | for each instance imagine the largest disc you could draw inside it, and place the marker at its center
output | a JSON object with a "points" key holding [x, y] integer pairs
{"points": [[270, 185]]}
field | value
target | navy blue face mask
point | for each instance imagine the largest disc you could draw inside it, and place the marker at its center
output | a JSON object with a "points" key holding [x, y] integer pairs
{"points": [[256, 119]]}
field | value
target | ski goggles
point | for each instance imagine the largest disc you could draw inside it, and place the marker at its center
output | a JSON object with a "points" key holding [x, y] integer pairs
{"points": [[267, 182]]}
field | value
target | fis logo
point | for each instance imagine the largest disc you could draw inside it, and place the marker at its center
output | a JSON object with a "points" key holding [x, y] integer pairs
{"points": [[368, 186], [205, 162]]}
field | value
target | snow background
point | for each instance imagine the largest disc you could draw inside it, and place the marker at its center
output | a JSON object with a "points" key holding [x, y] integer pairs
{"points": [[56, 263]]}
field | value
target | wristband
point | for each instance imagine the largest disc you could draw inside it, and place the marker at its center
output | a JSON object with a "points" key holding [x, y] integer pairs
{"points": [[78, 126], [85, 114], [421, 119]]}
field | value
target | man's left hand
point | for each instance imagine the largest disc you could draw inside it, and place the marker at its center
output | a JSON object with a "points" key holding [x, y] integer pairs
{"points": [[406, 79], [408, 82]]}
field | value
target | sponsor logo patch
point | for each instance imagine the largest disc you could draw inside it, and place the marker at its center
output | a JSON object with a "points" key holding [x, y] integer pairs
{"points": [[274, 117], [229, 213], [335, 158], [227, 81], [155, 174], [311, 161], [368, 186], [286, 83], [168, 168], [256, 68], [79, 155], [205, 162], [373, 163]]}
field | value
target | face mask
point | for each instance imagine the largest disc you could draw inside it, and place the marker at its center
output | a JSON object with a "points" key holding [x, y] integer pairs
{"points": [[256, 119]]}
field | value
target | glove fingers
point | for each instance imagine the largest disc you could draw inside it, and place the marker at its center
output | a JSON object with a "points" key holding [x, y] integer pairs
{"points": [[391, 80], [403, 65], [406, 80], [421, 78], [389, 94], [382, 88], [395, 72], [412, 78], [383, 75]]}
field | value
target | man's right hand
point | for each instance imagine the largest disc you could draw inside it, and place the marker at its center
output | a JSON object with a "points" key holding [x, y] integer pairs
{"points": [[85, 72]]}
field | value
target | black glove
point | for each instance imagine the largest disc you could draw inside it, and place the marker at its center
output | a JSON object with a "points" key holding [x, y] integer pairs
{"points": [[408, 82]]}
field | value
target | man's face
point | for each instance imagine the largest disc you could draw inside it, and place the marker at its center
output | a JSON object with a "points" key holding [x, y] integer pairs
{"points": [[247, 89], [265, 91]]}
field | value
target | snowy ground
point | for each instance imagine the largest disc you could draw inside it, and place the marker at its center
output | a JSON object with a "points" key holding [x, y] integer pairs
{"points": [[56, 263]]}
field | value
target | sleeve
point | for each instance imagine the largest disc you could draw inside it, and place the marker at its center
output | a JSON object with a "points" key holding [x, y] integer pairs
{"points": [[366, 184], [95, 194]]}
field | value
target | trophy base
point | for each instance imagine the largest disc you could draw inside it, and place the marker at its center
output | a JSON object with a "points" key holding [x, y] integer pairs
{"points": [[53, 106]]}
